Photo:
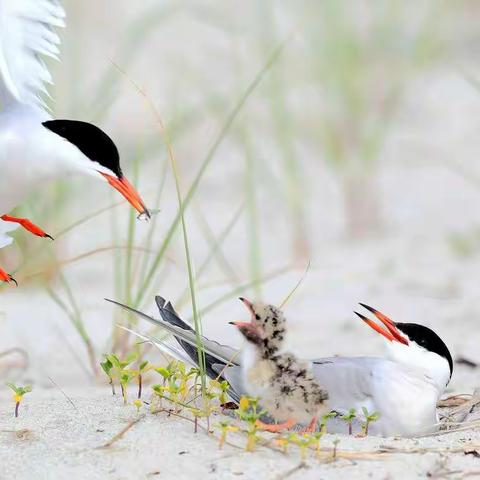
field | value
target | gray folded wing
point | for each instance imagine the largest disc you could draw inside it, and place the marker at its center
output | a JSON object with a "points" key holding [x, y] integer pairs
{"points": [[220, 352], [223, 353], [218, 358]]}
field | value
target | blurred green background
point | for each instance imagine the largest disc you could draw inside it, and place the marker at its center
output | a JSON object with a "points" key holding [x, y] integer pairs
{"points": [[338, 134]]}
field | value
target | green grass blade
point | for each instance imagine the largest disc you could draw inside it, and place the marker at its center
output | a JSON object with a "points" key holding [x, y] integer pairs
{"points": [[210, 155]]}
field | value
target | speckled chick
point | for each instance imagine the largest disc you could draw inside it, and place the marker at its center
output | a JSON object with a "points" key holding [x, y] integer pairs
{"points": [[285, 385]]}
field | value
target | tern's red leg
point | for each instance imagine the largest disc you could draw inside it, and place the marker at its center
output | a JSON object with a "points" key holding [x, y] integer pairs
{"points": [[27, 225], [5, 277], [311, 426], [275, 428]]}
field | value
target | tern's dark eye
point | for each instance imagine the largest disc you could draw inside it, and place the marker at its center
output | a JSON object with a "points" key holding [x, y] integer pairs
{"points": [[257, 316]]}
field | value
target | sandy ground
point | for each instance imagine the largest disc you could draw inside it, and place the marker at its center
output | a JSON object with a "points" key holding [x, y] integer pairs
{"points": [[410, 271], [412, 277], [56, 437]]}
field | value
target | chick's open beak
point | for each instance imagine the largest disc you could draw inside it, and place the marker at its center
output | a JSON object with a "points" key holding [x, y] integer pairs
{"points": [[251, 331], [123, 186], [249, 306], [391, 333], [242, 324]]}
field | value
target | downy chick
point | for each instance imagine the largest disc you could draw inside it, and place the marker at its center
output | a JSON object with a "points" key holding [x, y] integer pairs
{"points": [[286, 386]]}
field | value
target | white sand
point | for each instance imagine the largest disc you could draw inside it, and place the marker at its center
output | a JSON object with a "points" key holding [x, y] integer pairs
{"points": [[412, 277], [54, 439]]}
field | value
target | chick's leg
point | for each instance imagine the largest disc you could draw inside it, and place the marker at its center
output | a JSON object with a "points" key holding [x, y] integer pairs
{"points": [[275, 428], [311, 426]]}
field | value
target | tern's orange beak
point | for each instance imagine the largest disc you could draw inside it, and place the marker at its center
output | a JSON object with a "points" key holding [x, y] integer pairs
{"points": [[391, 333], [123, 186]]}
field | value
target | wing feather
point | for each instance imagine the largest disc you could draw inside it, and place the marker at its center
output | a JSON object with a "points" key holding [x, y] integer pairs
{"points": [[27, 32], [209, 346]]}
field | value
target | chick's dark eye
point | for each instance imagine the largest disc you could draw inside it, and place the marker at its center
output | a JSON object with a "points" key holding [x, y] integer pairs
{"points": [[257, 316]]}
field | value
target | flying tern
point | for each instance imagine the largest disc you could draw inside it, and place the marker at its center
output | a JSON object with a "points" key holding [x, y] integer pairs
{"points": [[403, 387], [34, 148]]}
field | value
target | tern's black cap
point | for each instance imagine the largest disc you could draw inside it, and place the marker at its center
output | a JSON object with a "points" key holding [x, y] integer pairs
{"points": [[93, 142], [428, 339]]}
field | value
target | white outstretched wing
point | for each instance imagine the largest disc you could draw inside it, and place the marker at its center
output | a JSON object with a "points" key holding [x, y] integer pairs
{"points": [[6, 227], [26, 34]]}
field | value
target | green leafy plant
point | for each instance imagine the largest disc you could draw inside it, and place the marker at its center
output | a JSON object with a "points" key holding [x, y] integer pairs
{"points": [[107, 368], [183, 388], [168, 371], [138, 404], [121, 372], [142, 368], [303, 441], [18, 394], [125, 377], [369, 418], [317, 436], [335, 448], [348, 418], [220, 390], [225, 428], [283, 442], [324, 420], [248, 412], [175, 385]]}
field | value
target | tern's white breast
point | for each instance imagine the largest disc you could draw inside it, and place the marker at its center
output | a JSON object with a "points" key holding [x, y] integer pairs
{"points": [[405, 399], [30, 156]]}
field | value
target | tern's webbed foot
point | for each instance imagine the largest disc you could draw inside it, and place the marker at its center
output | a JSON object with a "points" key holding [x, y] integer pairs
{"points": [[27, 225], [6, 277]]}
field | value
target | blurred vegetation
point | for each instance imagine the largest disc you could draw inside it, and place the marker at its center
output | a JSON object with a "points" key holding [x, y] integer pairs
{"points": [[282, 83]]}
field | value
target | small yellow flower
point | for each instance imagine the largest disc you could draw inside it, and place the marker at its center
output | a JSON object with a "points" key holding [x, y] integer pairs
{"points": [[282, 442], [244, 403], [17, 398], [137, 403]]}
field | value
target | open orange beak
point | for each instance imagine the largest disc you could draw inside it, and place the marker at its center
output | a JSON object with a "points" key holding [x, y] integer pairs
{"points": [[391, 333], [123, 186]]}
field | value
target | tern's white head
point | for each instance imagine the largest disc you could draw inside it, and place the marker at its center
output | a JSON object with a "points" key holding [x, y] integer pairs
{"points": [[99, 157], [415, 346]]}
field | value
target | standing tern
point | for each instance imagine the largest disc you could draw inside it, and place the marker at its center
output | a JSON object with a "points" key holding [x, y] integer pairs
{"points": [[34, 148], [403, 387]]}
